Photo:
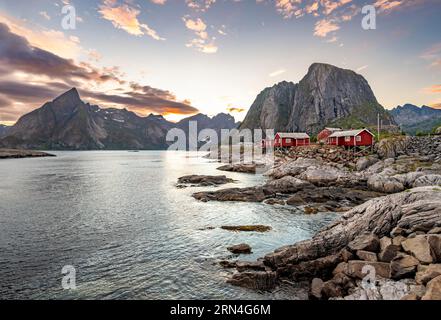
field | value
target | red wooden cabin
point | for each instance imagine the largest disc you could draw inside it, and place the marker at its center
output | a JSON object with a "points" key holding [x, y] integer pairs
{"points": [[351, 138], [325, 133], [291, 139]]}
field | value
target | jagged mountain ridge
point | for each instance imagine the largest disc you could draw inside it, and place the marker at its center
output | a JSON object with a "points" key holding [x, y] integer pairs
{"points": [[413, 119], [326, 96], [68, 123], [3, 130]]}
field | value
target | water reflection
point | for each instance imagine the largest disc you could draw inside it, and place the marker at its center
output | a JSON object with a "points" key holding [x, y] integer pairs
{"points": [[118, 218]]}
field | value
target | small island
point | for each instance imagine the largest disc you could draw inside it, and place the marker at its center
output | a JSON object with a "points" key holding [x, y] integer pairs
{"points": [[19, 153]]}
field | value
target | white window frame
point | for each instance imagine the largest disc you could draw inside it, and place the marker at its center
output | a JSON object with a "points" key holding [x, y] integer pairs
{"points": [[347, 139], [358, 138], [288, 140]]}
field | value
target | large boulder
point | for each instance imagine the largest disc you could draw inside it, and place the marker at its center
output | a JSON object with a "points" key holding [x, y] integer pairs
{"points": [[434, 241], [428, 273], [365, 242], [288, 184], [419, 248], [385, 183], [403, 266], [365, 162], [418, 208], [316, 288], [433, 291], [428, 180], [388, 250], [360, 269]]}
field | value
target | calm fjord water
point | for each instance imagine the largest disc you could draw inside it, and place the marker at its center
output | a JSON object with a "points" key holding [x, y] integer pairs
{"points": [[118, 218]]}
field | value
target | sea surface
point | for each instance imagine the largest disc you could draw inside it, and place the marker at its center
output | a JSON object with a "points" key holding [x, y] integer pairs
{"points": [[119, 220]]}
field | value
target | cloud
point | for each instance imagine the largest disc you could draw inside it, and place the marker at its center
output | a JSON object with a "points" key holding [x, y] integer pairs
{"points": [[277, 73], [125, 17], [433, 89], [161, 2], [323, 27], [235, 110], [200, 5], [54, 41], [436, 105], [196, 25], [362, 68], [433, 55], [202, 42], [17, 54], [45, 15], [30, 76]]}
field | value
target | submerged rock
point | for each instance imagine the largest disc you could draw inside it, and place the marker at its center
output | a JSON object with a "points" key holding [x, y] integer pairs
{"points": [[242, 248], [257, 280], [251, 194], [241, 167], [254, 228], [204, 181]]}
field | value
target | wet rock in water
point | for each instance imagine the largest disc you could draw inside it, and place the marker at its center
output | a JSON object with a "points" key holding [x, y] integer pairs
{"points": [[228, 264], [250, 265], [274, 201], [428, 273], [242, 248], [311, 210], [419, 248], [415, 209], [257, 280], [203, 181], [251, 228], [365, 242], [251, 194], [332, 197], [403, 266], [19, 153], [241, 167], [433, 291]]}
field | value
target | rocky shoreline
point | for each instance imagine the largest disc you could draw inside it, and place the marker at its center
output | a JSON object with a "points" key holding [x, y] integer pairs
{"points": [[387, 243], [18, 154]]}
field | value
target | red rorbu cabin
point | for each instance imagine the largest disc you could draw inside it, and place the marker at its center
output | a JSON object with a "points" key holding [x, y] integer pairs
{"points": [[291, 139], [325, 133], [352, 138]]}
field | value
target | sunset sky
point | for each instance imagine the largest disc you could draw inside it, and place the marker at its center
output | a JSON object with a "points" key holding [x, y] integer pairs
{"points": [[180, 57]]}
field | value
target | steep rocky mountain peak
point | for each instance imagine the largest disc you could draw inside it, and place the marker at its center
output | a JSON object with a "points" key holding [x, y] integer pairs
{"points": [[326, 96]]}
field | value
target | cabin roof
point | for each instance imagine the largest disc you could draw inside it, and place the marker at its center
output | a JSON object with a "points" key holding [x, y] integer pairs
{"points": [[293, 135], [349, 133]]}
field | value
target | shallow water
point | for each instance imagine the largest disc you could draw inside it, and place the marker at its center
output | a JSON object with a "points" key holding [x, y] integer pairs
{"points": [[118, 218]]}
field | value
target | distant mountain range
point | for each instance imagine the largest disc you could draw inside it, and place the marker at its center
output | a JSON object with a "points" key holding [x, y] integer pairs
{"points": [[413, 119], [3, 130], [68, 123], [326, 96]]}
